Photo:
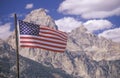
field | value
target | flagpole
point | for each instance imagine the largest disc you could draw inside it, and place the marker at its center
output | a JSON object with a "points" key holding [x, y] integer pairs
{"points": [[17, 47]]}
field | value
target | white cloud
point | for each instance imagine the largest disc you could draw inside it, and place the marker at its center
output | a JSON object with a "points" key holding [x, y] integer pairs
{"points": [[113, 34], [91, 9], [29, 6], [67, 24], [94, 25], [5, 31]]}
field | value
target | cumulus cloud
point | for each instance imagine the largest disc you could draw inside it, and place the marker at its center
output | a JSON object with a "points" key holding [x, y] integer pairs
{"points": [[95, 25], [91, 9], [5, 31], [113, 34], [29, 6], [67, 24]]}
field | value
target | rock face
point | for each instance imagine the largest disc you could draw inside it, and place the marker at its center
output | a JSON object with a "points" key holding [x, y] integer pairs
{"points": [[97, 48], [86, 55]]}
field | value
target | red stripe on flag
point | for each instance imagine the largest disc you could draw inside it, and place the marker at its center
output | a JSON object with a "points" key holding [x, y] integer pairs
{"points": [[52, 37], [60, 32], [52, 32], [42, 48], [45, 40], [41, 43]]}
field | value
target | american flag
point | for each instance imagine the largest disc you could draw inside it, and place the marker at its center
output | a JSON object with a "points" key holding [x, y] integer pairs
{"points": [[35, 36]]}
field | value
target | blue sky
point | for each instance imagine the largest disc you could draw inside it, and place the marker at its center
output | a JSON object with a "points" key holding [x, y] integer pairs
{"points": [[98, 16]]}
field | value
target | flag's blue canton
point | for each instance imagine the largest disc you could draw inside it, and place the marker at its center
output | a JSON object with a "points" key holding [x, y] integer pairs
{"points": [[28, 28]]}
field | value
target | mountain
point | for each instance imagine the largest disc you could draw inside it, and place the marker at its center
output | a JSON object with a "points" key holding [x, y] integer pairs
{"points": [[86, 55]]}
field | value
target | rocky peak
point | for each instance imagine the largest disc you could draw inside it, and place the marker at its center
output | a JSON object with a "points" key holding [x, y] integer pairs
{"points": [[80, 29], [40, 17], [98, 48]]}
